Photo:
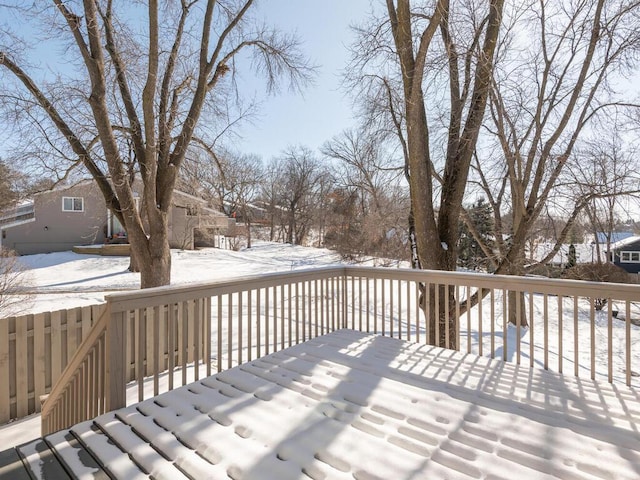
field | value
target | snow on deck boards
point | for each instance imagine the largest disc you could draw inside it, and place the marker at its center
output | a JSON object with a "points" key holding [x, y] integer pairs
{"points": [[353, 405]]}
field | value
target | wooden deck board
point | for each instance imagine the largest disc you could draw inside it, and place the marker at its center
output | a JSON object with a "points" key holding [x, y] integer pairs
{"points": [[148, 459], [41, 462], [75, 456], [350, 405], [11, 466], [112, 459]]}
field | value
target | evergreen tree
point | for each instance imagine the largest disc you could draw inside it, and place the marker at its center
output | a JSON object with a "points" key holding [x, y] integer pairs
{"points": [[470, 254], [571, 259]]}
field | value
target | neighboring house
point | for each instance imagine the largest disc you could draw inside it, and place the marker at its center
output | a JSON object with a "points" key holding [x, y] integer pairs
{"points": [[59, 219], [626, 254], [193, 224], [17, 215], [624, 251], [601, 237]]}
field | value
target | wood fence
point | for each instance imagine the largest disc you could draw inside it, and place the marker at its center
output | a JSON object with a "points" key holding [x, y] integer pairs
{"points": [[34, 351]]}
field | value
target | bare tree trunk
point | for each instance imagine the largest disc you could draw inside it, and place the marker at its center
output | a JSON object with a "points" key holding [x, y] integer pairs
{"points": [[153, 252], [436, 229], [272, 230], [248, 234], [516, 313], [292, 225], [158, 272], [442, 324], [133, 263]]}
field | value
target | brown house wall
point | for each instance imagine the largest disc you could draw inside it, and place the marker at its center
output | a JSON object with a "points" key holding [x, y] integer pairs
{"points": [[55, 230], [181, 227]]}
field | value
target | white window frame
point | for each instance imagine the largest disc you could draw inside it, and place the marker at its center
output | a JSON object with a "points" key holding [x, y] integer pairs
{"points": [[630, 257], [73, 204]]}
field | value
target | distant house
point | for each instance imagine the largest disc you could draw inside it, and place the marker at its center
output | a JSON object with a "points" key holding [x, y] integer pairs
{"points": [[59, 219], [626, 254], [601, 237]]}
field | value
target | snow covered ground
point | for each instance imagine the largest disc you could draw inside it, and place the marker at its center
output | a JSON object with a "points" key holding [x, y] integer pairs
{"points": [[66, 279], [62, 280]]}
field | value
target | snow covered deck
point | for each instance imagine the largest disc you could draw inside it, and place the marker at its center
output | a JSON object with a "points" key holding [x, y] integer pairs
{"points": [[356, 405]]}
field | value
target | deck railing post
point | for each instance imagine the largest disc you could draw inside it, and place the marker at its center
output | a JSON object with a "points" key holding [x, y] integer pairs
{"points": [[115, 381], [343, 310]]}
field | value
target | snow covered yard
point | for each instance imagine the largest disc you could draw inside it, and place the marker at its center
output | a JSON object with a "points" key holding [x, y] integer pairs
{"points": [[62, 280], [66, 279]]}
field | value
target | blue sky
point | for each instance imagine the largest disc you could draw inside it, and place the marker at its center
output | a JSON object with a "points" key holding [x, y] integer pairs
{"points": [[322, 110]]}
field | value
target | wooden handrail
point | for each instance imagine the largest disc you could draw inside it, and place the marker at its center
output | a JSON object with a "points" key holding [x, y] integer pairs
{"points": [[122, 301], [621, 291], [151, 297], [97, 330]]}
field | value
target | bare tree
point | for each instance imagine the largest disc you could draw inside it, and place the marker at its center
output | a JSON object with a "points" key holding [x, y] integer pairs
{"points": [[551, 83], [270, 195], [231, 183], [322, 208], [368, 195], [607, 173], [457, 64], [13, 279], [301, 175], [153, 73], [293, 191], [11, 182]]}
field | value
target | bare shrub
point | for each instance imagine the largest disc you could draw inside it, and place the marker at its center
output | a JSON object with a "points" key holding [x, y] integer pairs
{"points": [[598, 272], [12, 281]]}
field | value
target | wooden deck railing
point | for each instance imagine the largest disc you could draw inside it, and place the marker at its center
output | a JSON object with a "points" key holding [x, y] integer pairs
{"points": [[157, 339]]}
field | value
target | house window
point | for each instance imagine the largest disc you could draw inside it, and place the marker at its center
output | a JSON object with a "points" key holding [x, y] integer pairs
{"points": [[72, 204], [192, 210], [630, 257]]}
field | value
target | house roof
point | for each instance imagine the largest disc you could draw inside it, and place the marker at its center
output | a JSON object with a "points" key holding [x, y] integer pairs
{"points": [[63, 187], [625, 242], [177, 193], [601, 237], [354, 405], [21, 213], [200, 201]]}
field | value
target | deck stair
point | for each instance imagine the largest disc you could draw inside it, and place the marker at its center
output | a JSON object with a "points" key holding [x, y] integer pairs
{"points": [[84, 451]]}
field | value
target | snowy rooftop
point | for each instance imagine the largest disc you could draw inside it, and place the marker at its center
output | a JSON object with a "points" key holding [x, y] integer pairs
{"points": [[353, 405]]}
